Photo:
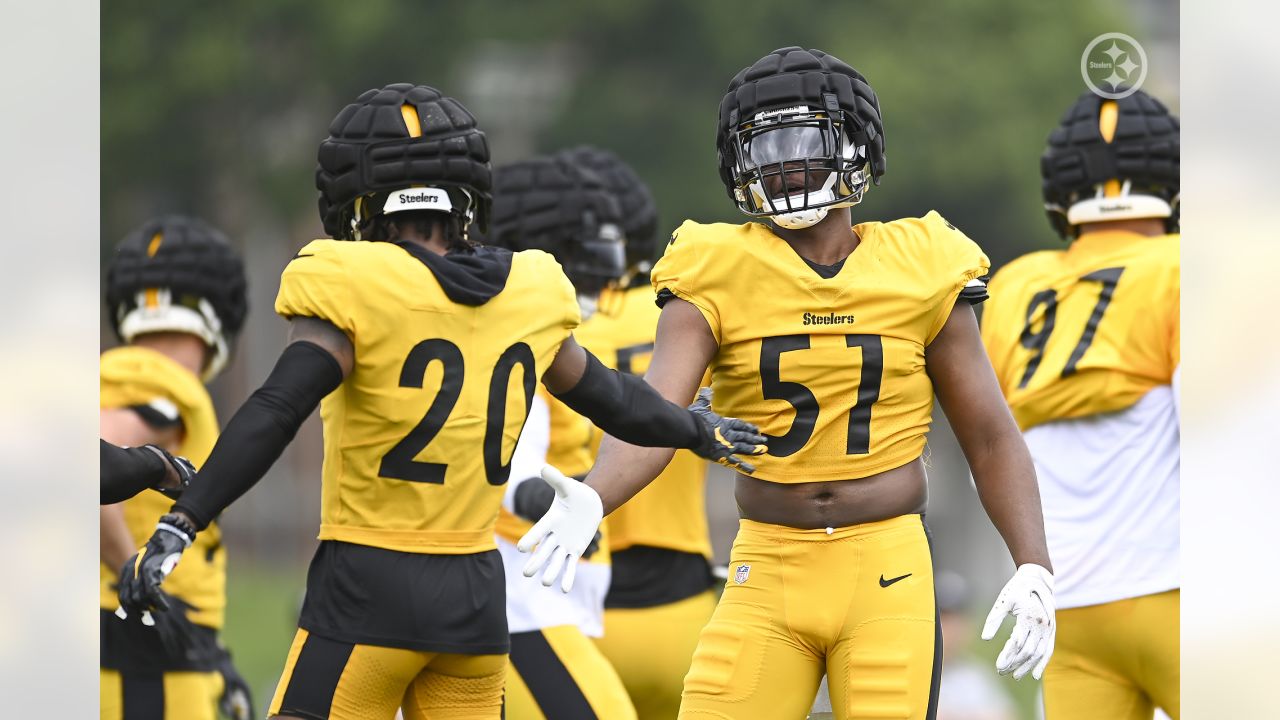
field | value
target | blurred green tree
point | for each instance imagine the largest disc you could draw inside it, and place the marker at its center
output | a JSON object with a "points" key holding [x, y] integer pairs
{"points": [[217, 108]]}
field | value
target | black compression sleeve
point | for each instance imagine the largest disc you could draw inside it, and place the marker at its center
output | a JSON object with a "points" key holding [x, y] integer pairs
{"points": [[125, 472], [626, 407], [261, 429]]}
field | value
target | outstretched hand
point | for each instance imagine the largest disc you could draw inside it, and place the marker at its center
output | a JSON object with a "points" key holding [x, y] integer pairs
{"points": [[142, 574], [565, 532], [723, 439], [178, 472]]}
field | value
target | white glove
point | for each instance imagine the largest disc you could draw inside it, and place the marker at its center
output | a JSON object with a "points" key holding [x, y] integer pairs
{"points": [[564, 532], [1028, 596]]}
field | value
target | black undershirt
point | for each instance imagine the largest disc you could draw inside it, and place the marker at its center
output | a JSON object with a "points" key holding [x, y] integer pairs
{"points": [[645, 576], [826, 272]]}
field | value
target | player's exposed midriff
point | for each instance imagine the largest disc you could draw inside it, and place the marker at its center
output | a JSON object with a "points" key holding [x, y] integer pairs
{"points": [[839, 503]]}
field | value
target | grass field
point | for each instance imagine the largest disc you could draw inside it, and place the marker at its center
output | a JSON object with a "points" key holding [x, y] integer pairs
{"points": [[262, 616]]}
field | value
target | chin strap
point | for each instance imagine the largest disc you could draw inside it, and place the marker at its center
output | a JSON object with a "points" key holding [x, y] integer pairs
{"points": [[800, 219]]}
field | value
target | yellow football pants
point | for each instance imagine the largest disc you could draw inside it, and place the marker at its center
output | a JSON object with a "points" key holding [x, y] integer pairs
{"points": [[167, 696], [651, 649], [558, 673], [857, 603], [1119, 660], [343, 681]]}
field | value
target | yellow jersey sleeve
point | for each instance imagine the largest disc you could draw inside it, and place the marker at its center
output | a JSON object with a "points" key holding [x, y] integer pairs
{"points": [[316, 283], [684, 271], [130, 376], [560, 288], [952, 261]]}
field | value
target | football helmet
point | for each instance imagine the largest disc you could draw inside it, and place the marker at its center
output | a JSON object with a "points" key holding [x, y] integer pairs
{"points": [[799, 133], [639, 212], [401, 148], [178, 274], [552, 204], [1112, 160]]}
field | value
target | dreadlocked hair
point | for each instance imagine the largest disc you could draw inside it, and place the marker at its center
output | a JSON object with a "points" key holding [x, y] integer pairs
{"points": [[388, 228]]}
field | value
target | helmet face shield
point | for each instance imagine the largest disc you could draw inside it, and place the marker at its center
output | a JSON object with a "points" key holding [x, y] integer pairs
{"points": [[796, 161], [784, 143], [598, 259], [798, 132]]}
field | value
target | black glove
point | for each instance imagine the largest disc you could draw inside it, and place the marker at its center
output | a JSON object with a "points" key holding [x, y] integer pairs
{"points": [[236, 702], [142, 574], [177, 633], [178, 473], [181, 640], [723, 437], [533, 498]]}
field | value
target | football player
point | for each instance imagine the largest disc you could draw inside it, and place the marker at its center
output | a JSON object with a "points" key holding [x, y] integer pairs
{"points": [[425, 350], [835, 339], [1084, 341], [556, 205], [176, 298], [125, 472], [660, 595]]}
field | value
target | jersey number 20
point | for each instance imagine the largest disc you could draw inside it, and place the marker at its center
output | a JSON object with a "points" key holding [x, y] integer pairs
{"points": [[399, 462]]}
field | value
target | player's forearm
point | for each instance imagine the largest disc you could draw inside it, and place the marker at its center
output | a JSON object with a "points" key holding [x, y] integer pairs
{"points": [[115, 542], [628, 408], [260, 431], [125, 472], [622, 470], [1006, 481]]}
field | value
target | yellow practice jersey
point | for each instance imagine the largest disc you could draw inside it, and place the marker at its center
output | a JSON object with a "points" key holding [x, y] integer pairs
{"points": [[671, 511], [1085, 330], [419, 436], [141, 377], [831, 369]]}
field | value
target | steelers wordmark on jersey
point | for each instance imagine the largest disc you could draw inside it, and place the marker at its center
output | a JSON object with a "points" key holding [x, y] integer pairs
{"points": [[793, 344]]}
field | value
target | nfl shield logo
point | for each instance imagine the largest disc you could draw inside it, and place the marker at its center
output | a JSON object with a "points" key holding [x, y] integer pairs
{"points": [[741, 573]]}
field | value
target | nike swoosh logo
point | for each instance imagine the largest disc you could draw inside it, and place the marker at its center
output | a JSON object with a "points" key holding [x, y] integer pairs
{"points": [[887, 583], [302, 255]]}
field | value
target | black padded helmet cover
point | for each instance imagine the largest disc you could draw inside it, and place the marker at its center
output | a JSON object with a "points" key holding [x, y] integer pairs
{"points": [[1145, 150], [639, 211], [563, 208], [793, 76], [178, 274], [374, 147]]}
